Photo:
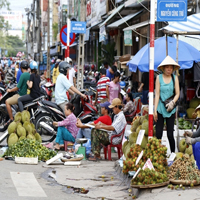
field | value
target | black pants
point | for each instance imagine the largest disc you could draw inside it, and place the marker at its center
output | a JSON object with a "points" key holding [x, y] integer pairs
{"points": [[170, 129], [23, 99]]}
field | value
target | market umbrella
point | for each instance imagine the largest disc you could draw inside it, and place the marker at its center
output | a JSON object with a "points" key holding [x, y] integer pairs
{"points": [[187, 55]]}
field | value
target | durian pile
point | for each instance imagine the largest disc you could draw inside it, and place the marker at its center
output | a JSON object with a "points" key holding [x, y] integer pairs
{"points": [[22, 128], [184, 148], [153, 150], [30, 148], [139, 122], [184, 169], [147, 176]]}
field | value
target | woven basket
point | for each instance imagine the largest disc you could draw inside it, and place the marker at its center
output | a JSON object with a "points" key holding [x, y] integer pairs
{"points": [[151, 185], [179, 182]]}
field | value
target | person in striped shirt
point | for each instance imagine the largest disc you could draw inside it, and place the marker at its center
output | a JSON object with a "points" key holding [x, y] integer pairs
{"points": [[101, 86]]}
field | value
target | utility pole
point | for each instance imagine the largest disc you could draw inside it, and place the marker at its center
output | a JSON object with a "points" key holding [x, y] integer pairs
{"points": [[48, 42], [81, 50], [38, 37]]}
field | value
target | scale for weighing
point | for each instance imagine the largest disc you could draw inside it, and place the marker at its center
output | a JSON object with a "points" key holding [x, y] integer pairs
{"points": [[81, 149]]}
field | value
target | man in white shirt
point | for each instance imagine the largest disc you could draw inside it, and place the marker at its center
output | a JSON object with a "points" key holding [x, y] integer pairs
{"points": [[72, 77]]}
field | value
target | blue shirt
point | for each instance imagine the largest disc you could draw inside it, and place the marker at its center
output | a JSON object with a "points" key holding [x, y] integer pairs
{"points": [[166, 91], [62, 85], [19, 73], [109, 75]]}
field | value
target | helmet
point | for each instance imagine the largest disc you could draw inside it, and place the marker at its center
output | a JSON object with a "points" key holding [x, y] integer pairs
{"points": [[33, 65], [63, 67], [24, 64], [122, 84]]}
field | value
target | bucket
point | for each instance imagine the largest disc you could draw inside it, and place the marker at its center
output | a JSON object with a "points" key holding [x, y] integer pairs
{"points": [[190, 93]]}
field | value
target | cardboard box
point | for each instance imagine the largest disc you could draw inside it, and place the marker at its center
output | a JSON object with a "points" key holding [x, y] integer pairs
{"points": [[25, 160]]}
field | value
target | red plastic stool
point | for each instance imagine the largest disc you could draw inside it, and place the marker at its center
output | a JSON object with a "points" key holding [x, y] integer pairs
{"points": [[66, 143]]}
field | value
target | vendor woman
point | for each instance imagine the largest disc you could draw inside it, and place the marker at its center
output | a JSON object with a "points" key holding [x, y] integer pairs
{"points": [[193, 138]]}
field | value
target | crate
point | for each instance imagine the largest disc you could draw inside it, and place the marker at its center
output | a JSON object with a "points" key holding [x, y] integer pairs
{"points": [[26, 160]]}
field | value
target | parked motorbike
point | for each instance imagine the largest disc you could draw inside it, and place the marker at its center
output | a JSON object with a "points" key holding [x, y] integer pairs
{"points": [[48, 112], [48, 87]]}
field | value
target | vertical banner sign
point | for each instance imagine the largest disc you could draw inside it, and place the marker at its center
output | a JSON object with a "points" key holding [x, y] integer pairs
{"points": [[102, 34], [128, 38], [171, 10]]}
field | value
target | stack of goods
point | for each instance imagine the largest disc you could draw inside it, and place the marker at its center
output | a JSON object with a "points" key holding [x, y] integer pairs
{"points": [[184, 148], [30, 148], [183, 171], [22, 128], [153, 151], [184, 124]]}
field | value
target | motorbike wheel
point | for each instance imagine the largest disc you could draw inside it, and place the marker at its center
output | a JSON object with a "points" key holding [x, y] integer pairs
{"points": [[3, 120], [46, 136]]}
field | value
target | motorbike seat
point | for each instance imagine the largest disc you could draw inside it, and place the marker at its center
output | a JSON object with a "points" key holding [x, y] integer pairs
{"points": [[52, 104]]}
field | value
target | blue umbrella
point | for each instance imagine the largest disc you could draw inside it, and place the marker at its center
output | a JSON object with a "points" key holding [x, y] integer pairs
{"points": [[187, 55]]}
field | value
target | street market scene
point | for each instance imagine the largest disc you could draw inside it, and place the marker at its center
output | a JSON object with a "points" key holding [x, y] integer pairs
{"points": [[100, 99]]}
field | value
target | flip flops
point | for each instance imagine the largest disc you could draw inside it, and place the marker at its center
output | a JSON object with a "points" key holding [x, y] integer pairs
{"points": [[94, 158]]}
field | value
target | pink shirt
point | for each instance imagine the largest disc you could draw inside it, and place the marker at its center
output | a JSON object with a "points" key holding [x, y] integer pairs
{"points": [[114, 90], [70, 124]]}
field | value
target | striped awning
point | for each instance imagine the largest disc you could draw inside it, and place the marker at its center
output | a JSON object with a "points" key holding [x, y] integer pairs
{"points": [[191, 25]]}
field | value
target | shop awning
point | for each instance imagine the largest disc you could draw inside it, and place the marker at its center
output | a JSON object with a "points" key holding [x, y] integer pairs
{"points": [[135, 26], [119, 8], [123, 20], [135, 3], [191, 25]]}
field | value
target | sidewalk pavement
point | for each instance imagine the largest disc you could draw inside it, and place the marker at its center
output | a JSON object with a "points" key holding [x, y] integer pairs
{"points": [[112, 187]]}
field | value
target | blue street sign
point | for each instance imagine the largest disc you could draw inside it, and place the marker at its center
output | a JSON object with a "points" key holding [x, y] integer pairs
{"points": [[171, 10], [78, 27]]}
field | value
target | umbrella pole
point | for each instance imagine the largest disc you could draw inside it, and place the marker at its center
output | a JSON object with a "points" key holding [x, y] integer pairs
{"points": [[166, 45], [177, 73]]}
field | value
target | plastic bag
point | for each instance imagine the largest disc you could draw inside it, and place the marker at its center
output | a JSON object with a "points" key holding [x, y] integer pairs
{"points": [[88, 147]]}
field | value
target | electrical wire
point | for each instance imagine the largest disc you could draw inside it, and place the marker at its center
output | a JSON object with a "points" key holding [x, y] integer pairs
{"points": [[143, 6], [128, 24]]}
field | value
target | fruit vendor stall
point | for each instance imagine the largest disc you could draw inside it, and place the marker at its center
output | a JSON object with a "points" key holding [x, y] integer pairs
{"points": [[149, 164]]}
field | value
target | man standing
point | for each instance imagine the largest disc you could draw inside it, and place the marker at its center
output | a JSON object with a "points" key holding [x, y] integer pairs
{"points": [[99, 137], [63, 85], [144, 87], [21, 86], [110, 72], [72, 77], [101, 86], [84, 131]]}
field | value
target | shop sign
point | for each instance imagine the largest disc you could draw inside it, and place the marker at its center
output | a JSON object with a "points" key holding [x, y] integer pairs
{"points": [[88, 13], [102, 34], [128, 38], [172, 10], [87, 35]]}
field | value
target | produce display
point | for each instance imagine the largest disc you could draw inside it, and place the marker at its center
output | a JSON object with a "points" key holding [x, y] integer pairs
{"points": [[30, 148], [184, 148], [184, 124], [183, 169], [22, 128], [192, 106]]}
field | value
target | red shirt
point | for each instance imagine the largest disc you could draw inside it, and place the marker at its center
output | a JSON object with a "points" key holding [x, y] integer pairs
{"points": [[104, 119]]}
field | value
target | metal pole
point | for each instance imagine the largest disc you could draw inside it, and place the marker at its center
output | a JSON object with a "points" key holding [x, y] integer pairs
{"points": [[151, 67], [48, 43], [68, 36], [166, 45]]}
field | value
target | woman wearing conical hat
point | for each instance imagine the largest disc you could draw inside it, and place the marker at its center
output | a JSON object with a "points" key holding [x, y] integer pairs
{"points": [[167, 85]]}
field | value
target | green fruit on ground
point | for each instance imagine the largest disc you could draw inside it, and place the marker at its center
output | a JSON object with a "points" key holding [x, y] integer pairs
{"points": [[124, 145], [189, 150], [38, 137], [25, 116], [21, 131], [19, 124], [33, 126], [182, 145], [18, 117], [127, 149], [138, 129], [12, 127], [31, 136], [144, 142], [145, 126], [179, 155], [132, 138], [22, 138], [190, 111], [192, 158], [28, 127], [12, 139], [194, 102], [135, 125]]}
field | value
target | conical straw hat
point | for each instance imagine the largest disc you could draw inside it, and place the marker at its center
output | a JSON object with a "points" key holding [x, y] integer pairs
{"points": [[168, 61]]}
